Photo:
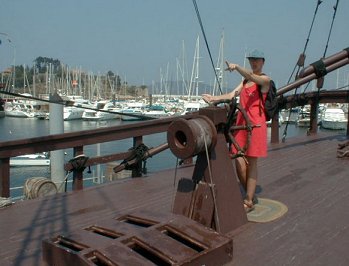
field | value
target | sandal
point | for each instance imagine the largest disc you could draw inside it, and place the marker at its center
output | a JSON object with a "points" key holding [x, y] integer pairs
{"points": [[248, 206], [255, 200]]}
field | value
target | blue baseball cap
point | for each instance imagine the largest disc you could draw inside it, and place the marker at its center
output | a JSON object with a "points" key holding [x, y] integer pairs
{"points": [[255, 54]]}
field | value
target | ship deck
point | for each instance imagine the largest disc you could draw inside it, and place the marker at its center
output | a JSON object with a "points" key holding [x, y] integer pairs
{"points": [[303, 173]]}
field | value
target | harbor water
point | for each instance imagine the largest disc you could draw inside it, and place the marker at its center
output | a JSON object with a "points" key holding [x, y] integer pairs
{"points": [[12, 128]]}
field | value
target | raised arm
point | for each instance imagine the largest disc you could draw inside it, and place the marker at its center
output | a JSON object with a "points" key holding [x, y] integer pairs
{"points": [[260, 79], [228, 96]]}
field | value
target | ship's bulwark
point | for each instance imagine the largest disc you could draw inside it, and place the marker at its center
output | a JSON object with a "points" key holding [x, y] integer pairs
{"points": [[303, 173]]}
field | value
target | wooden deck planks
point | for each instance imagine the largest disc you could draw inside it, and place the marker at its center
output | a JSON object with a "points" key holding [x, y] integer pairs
{"points": [[315, 188], [303, 173]]}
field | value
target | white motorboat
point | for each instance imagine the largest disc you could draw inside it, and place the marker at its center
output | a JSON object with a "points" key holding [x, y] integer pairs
{"points": [[190, 107], [16, 109], [133, 111], [37, 159], [156, 111], [72, 113], [334, 118], [106, 112]]}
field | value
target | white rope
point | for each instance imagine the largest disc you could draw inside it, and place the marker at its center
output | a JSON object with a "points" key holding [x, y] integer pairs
{"points": [[65, 180], [212, 187], [174, 185], [5, 202]]}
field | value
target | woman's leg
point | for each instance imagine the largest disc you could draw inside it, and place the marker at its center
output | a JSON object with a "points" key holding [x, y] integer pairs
{"points": [[251, 175], [241, 170]]}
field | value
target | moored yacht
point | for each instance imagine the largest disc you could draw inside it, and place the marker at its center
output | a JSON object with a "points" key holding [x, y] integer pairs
{"points": [[72, 113], [16, 109], [334, 118], [107, 111], [156, 111], [133, 111]]}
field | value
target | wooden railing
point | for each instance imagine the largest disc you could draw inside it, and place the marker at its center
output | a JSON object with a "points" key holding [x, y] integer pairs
{"points": [[77, 141], [313, 99]]}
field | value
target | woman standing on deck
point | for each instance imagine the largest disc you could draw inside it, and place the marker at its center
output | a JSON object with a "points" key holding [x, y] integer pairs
{"points": [[251, 102]]}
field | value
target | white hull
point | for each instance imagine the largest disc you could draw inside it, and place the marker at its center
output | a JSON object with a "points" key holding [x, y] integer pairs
{"points": [[335, 125], [125, 117], [72, 113], [133, 108], [190, 107], [18, 113], [22, 108], [90, 115], [106, 112], [30, 160], [334, 118], [156, 114]]}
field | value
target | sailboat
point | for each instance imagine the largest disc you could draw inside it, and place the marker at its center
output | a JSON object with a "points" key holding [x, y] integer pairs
{"points": [[190, 105]]}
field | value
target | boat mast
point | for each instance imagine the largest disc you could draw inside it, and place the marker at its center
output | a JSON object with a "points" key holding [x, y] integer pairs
{"points": [[219, 67], [194, 80]]}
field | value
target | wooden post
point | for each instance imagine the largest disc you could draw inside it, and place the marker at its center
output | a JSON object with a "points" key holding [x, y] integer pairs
{"points": [[275, 129], [314, 107], [5, 177], [78, 182], [137, 169]]}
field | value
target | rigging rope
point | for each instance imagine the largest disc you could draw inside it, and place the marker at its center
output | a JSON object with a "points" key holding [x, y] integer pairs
{"points": [[335, 7], [328, 38], [174, 183], [300, 63], [324, 55], [212, 189], [206, 42], [306, 43]]}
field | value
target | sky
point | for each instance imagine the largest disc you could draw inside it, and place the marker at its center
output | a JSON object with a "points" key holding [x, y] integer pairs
{"points": [[142, 40]]}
